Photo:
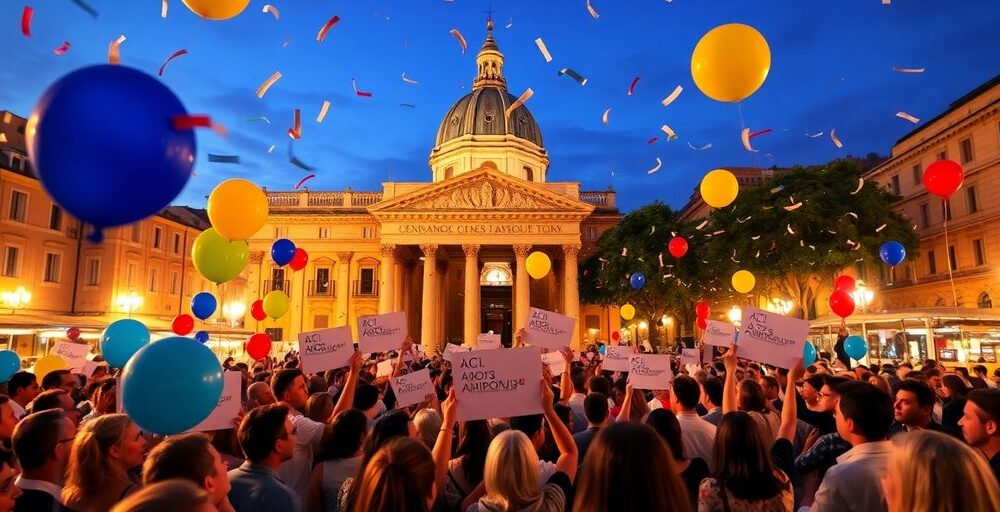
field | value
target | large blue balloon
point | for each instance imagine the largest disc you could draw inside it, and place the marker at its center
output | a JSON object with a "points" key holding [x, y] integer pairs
{"points": [[638, 280], [177, 370], [282, 251], [203, 305], [121, 340], [808, 354], [10, 363], [855, 347], [892, 252], [103, 145], [201, 337]]}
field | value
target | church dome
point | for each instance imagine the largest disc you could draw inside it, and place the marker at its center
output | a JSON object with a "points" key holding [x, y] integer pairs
{"points": [[481, 112]]}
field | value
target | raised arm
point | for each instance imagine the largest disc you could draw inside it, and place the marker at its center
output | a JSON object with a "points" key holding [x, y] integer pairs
{"points": [[566, 380], [403, 349], [729, 392], [442, 447], [623, 414], [346, 400], [788, 409], [568, 456]]}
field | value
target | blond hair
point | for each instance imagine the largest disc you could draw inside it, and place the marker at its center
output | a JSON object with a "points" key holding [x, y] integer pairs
{"points": [[167, 496], [90, 469], [934, 473], [511, 472]]}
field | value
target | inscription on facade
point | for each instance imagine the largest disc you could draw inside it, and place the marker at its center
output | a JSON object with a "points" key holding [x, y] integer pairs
{"points": [[482, 229]]}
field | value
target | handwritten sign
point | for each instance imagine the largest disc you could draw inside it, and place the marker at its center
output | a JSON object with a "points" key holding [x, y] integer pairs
{"points": [[548, 329], [325, 349], [381, 333], [690, 356], [771, 338], [556, 362], [616, 358], [487, 342], [412, 388], [89, 367], [450, 349], [227, 408], [707, 353], [384, 368], [75, 354], [497, 383], [719, 334], [650, 371]]}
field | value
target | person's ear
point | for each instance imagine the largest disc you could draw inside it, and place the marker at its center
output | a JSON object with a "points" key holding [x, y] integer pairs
{"points": [[992, 427], [115, 452], [208, 483]]}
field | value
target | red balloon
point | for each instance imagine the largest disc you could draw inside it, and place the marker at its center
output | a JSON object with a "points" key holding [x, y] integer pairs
{"points": [[943, 178], [259, 346], [73, 333], [299, 260], [845, 283], [257, 310], [841, 303], [615, 335], [182, 324], [702, 310], [678, 246], [702, 323]]}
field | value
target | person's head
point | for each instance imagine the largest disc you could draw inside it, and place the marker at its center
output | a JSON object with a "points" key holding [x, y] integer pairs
{"points": [[168, 496], [511, 472], [595, 407], [8, 473], [810, 388], [62, 379], [106, 396], [981, 418], [428, 423], [365, 397], [953, 387], [880, 382], [712, 393], [319, 407], [345, 436], [828, 393], [863, 412], [771, 388], [400, 476], [8, 420], [963, 371], [190, 457], [531, 426], [23, 387], [599, 384], [742, 459], [57, 399], [914, 403], [685, 393], [932, 472], [751, 396], [105, 449], [665, 423], [266, 434], [474, 439], [578, 376], [980, 370], [628, 467], [289, 386], [42, 442], [259, 393]]}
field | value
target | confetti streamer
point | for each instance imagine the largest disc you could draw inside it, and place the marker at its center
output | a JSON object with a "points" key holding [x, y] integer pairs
{"points": [[745, 137], [295, 131], [407, 105], [907, 70], [361, 93], [322, 111], [833, 137], [273, 10], [814, 135], [789, 228], [509, 23], [861, 183], [631, 88], [908, 117], [114, 56], [288, 39], [173, 56], [224, 159], [262, 90], [525, 96], [741, 221], [755, 237], [574, 75], [545, 51], [409, 80], [654, 139], [163, 9], [758, 133], [62, 49], [700, 148], [88, 9], [852, 214], [624, 251], [661, 260], [659, 163], [777, 189], [303, 180], [271, 149], [701, 226], [190, 122], [880, 228], [669, 131], [461, 39], [322, 31], [604, 118], [26, 16], [295, 161], [258, 118], [673, 96], [592, 11], [793, 207]]}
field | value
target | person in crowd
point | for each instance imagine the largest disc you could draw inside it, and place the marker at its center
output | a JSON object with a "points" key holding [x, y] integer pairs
{"points": [[596, 408], [366, 400], [22, 389], [62, 379], [772, 391], [9, 492], [190, 457], [391, 425], [864, 415], [914, 407], [428, 423], [711, 399], [42, 442], [168, 496], [747, 396], [56, 399], [691, 470], [104, 453], [267, 437], [963, 374], [465, 471], [628, 467], [881, 382], [980, 425], [578, 380], [697, 435], [105, 399], [259, 393], [980, 379], [339, 457], [634, 407], [8, 420], [660, 400], [953, 393], [933, 472], [319, 408], [228, 447]]}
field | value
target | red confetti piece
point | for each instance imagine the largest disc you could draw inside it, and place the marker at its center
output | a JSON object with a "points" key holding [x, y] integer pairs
{"points": [[326, 28], [26, 20], [758, 133], [654, 139], [295, 131], [62, 49], [303, 180], [192, 121], [176, 54], [631, 88], [114, 54], [359, 92]]}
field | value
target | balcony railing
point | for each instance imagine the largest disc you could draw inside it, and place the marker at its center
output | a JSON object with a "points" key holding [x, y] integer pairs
{"points": [[310, 199], [322, 288], [365, 288], [605, 199], [284, 286]]}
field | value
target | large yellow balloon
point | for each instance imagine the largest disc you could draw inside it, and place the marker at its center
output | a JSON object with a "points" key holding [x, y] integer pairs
{"points": [[47, 364], [743, 281], [719, 188], [237, 209], [730, 62], [217, 9], [276, 304], [627, 311], [538, 264]]}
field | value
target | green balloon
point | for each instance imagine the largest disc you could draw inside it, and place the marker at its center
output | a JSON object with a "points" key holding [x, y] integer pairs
{"points": [[218, 259], [276, 304]]}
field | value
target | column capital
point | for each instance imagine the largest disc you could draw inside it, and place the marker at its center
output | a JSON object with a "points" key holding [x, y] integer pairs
{"points": [[344, 257], [470, 249], [388, 250], [571, 249], [429, 250], [256, 257], [521, 250]]}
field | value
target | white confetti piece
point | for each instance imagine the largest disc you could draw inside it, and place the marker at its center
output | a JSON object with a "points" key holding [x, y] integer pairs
{"points": [[669, 131], [163, 9], [545, 51], [702, 225], [461, 39], [777, 189], [624, 251], [604, 118], [661, 260], [653, 230], [659, 163], [907, 70], [409, 80], [908, 117], [789, 228], [852, 214], [833, 137], [273, 10], [755, 237], [814, 135], [262, 90], [593, 12], [861, 184], [880, 228], [700, 148], [322, 111], [741, 221], [271, 149], [673, 96], [793, 207], [525, 96], [745, 137]]}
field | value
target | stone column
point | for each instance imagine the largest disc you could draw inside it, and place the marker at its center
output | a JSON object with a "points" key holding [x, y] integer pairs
{"points": [[387, 286], [343, 287], [441, 286], [571, 290], [427, 309], [472, 308], [400, 283], [522, 287]]}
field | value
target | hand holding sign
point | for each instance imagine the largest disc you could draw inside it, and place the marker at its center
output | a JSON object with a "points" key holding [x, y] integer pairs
{"points": [[729, 360], [381, 333], [449, 411], [548, 329]]}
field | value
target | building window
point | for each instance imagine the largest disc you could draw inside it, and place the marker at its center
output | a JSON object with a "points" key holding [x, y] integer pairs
{"points": [[977, 251], [925, 216], [931, 263], [154, 278], [277, 279], [917, 174], [324, 232], [157, 237], [52, 267], [970, 199], [173, 282], [367, 284], [137, 232], [322, 286], [93, 276], [965, 150], [177, 243], [894, 184], [591, 233], [449, 172], [130, 271], [279, 231], [942, 155], [18, 206], [16, 162], [952, 259], [55, 218], [946, 206], [529, 174], [11, 261], [368, 232], [592, 322], [274, 333], [984, 302]]}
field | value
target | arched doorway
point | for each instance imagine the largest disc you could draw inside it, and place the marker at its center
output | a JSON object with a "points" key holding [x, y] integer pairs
{"points": [[984, 301], [496, 285]]}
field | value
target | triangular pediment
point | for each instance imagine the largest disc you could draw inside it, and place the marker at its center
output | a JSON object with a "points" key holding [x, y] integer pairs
{"points": [[482, 190]]}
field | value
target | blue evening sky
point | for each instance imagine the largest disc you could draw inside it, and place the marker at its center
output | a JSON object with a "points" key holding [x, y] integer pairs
{"points": [[831, 68]]}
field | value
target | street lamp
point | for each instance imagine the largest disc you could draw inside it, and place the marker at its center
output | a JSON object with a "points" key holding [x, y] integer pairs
{"points": [[863, 297], [233, 312], [735, 315], [16, 299], [129, 303]]}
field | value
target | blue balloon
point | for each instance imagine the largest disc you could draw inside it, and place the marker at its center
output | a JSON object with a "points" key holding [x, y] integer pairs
{"points": [[602, 349], [637, 280], [103, 145], [808, 354], [10, 363], [282, 251], [203, 305], [121, 340], [892, 252], [201, 336], [855, 347], [177, 370]]}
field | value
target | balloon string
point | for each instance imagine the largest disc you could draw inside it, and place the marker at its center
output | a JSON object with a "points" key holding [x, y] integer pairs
{"points": [[947, 247]]}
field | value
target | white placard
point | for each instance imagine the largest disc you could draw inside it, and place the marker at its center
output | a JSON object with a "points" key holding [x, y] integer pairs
{"points": [[384, 368], [497, 383], [616, 357], [412, 388], [719, 334], [548, 329], [650, 371], [487, 342], [75, 354], [90, 366], [556, 362], [707, 353], [690, 356], [325, 349], [771, 338], [228, 407], [381, 333], [450, 349]]}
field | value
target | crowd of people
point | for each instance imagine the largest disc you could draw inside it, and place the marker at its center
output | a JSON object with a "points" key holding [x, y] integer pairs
{"points": [[726, 436]]}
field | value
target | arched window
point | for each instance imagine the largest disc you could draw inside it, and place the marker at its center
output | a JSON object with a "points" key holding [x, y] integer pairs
{"points": [[984, 302], [449, 172], [529, 174]]}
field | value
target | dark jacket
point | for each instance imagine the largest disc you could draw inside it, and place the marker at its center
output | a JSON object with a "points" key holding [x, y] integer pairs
{"points": [[38, 501]]}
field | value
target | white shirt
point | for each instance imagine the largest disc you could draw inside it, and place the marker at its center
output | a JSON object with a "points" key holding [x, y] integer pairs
{"points": [[295, 472], [40, 485], [16, 407], [854, 482], [655, 404], [697, 437], [575, 404], [545, 471]]}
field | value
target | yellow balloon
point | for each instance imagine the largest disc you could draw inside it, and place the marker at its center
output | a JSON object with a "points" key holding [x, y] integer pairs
{"points": [[276, 304], [730, 62], [237, 209], [628, 312], [47, 364], [217, 9], [719, 188], [743, 281], [538, 264]]}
